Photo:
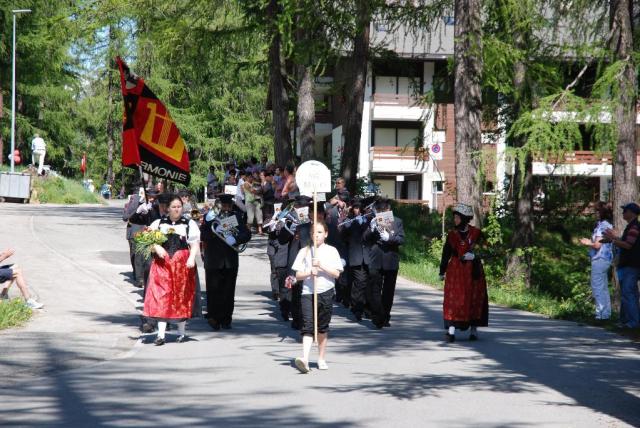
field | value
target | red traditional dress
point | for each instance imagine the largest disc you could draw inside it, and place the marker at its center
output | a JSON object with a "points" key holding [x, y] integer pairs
{"points": [[172, 285], [465, 288]]}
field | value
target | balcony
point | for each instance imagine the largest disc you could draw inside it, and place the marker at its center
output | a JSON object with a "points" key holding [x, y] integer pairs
{"points": [[581, 162], [397, 107], [395, 100], [397, 160]]}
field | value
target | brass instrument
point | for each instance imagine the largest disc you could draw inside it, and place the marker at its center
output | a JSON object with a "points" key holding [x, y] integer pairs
{"points": [[219, 217], [368, 213]]}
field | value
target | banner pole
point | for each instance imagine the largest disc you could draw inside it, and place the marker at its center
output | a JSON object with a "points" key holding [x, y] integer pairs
{"points": [[144, 183], [315, 254]]}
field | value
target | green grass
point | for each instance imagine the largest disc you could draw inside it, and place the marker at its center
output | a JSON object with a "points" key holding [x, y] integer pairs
{"points": [[13, 313], [58, 190]]}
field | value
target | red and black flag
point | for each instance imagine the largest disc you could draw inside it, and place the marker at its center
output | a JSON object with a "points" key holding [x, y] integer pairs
{"points": [[150, 137]]}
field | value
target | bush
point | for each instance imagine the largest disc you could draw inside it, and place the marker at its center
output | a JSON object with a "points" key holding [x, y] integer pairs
{"points": [[58, 190], [560, 273]]}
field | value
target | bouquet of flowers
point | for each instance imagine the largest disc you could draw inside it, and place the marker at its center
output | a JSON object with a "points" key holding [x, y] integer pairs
{"points": [[145, 240]]}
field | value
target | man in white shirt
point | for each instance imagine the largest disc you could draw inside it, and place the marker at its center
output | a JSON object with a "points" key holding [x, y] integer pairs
{"points": [[38, 150]]}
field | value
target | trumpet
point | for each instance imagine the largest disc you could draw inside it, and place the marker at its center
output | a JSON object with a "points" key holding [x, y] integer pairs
{"points": [[218, 219], [368, 216], [369, 213]]}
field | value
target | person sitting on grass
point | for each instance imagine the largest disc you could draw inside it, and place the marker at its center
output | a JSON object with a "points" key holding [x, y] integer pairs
{"points": [[11, 274]]}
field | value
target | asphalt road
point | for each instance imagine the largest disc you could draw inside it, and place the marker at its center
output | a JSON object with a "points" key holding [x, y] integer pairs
{"points": [[82, 363]]}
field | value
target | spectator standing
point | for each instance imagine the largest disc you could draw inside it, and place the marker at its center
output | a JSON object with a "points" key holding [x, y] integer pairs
{"points": [[278, 184], [290, 189], [212, 183], [628, 268], [601, 256], [253, 202], [38, 152], [268, 194]]}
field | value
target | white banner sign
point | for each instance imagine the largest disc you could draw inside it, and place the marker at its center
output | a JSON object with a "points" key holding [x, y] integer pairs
{"points": [[313, 176], [230, 190]]}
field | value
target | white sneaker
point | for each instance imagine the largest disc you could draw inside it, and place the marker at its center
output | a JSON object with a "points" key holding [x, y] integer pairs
{"points": [[34, 304], [302, 365], [322, 365]]}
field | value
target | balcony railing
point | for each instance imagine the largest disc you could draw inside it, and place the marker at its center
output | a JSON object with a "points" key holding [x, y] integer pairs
{"points": [[583, 157], [398, 152], [395, 100]]}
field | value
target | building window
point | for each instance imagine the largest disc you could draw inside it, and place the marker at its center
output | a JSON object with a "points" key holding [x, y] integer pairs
{"points": [[438, 187], [391, 135]]}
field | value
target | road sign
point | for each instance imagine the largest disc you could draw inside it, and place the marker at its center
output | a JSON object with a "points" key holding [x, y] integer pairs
{"points": [[435, 151], [313, 176]]}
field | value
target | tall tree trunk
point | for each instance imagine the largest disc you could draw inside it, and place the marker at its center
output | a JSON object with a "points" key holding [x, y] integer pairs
{"points": [[519, 261], [306, 112], [468, 104], [355, 97], [624, 166], [279, 96]]}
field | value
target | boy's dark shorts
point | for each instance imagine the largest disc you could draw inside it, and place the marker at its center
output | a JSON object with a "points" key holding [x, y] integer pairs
{"points": [[6, 273], [325, 310]]}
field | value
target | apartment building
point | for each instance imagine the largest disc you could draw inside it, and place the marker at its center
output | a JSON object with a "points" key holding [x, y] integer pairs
{"points": [[407, 146]]}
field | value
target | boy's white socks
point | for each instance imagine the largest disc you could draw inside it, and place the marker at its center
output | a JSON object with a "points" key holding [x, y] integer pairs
{"points": [[452, 330]]}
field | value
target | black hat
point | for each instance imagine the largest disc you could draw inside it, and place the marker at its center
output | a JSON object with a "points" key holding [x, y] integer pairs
{"points": [[303, 200], [164, 198], [631, 206], [151, 193], [225, 198], [382, 204], [356, 202], [369, 200]]}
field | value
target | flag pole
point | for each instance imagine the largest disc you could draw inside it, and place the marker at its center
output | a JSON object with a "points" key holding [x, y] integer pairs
{"points": [[315, 254], [144, 183]]}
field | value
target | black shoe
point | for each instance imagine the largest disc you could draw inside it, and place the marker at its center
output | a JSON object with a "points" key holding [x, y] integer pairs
{"points": [[181, 338], [275, 296], [295, 325], [450, 337], [473, 337], [285, 316], [226, 326], [378, 325], [387, 324], [358, 317], [147, 328], [159, 341], [215, 325], [139, 284]]}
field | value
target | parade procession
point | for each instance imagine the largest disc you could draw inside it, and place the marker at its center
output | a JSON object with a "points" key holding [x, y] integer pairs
{"points": [[325, 246], [352, 213]]}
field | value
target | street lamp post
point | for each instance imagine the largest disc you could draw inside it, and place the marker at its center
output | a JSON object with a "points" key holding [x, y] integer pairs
{"points": [[13, 89]]}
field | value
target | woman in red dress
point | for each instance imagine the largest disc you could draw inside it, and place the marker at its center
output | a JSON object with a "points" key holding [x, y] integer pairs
{"points": [[172, 279], [465, 288]]}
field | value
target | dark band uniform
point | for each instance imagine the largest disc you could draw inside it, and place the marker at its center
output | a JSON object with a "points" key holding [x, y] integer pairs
{"points": [[221, 268], [385, 262]]}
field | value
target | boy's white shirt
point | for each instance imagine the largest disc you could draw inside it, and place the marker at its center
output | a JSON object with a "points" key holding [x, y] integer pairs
{"points": [[328, 257]]}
